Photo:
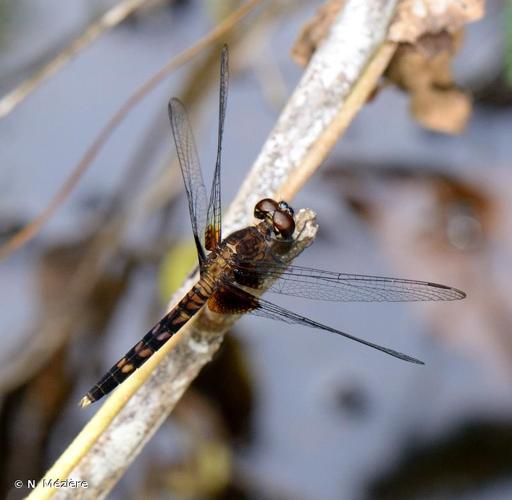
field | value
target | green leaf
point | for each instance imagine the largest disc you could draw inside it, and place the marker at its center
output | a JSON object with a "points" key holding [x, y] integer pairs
{"points": [[175, 266]]}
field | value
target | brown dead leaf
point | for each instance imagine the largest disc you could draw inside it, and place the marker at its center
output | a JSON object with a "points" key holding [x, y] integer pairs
{"points": [[414, 18], [424, 71], [313, 32], [429, 33], [445, 111]]}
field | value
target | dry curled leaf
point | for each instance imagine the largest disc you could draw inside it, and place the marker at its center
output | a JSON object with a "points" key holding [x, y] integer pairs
{"points": [[414, 18], [424, 71], [445, 111], [430, 33], [313, 32]]}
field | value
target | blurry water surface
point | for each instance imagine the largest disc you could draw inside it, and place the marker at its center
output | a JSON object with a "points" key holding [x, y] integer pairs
{"points": [[330, 415]]}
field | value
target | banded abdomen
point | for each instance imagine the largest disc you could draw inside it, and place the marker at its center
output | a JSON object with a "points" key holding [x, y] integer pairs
{"points": [[151, 342]]}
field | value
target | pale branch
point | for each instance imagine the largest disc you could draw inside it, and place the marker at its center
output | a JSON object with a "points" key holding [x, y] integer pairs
{"points": [[341, 75], [119, 430]]}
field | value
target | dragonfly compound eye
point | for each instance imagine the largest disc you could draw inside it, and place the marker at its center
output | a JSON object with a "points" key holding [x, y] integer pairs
{"points": [[265, 207], [284, 225], [284, 207]]}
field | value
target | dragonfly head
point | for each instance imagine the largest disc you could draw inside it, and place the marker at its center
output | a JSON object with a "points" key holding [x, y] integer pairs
{"points": [[279, 216]]}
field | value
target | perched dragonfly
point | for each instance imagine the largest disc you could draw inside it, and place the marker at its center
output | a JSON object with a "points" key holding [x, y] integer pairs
{"points": [[232, 270]]}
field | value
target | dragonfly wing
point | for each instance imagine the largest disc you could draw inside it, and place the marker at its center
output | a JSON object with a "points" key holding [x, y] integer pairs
{"points": [[244, 301], [317, 284], [213, 225], [190, 169]]}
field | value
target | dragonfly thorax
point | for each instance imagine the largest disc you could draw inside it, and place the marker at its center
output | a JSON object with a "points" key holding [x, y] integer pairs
{"points": [[244, 264], [278, 215]]}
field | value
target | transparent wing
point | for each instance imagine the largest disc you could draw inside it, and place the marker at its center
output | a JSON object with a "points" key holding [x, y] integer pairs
{"points": [[213, 234], [190, 169], [239, 301], [317, 284]]}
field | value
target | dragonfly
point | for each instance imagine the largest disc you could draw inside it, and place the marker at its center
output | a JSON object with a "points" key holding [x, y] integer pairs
{"points": [[234, 269]]}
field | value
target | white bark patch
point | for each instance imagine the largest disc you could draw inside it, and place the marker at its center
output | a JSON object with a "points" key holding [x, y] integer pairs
{"points": [[198, 347]]}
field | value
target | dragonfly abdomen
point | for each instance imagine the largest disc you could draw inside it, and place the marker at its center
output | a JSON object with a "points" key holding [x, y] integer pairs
{"points": [[150, 343]]}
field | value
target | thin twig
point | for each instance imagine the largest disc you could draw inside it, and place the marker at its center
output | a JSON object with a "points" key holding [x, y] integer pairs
{"points": [[30, 230], [343, 67], [54, 329], [107, 21]]}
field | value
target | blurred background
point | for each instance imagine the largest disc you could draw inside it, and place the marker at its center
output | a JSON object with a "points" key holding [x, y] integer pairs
{"points": [[282, 412]]}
